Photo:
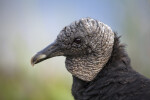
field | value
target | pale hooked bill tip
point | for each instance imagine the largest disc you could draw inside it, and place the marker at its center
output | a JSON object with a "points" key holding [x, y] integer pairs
{"points": [[37, 58], [32, 63]]}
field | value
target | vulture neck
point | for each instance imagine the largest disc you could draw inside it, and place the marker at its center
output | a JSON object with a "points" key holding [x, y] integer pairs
{"points": [[118, 67]]}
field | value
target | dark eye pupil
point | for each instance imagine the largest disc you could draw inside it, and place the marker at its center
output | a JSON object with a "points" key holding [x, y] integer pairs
{"points": [[77, 40]]}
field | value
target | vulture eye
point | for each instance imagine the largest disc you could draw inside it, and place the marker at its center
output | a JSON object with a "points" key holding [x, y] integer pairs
{"points": [[77, 40]]}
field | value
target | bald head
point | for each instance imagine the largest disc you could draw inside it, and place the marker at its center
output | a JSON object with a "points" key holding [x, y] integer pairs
{"points": [[87, 45]]}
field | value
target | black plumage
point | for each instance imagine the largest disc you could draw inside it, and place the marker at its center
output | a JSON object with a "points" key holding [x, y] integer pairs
{"points": [[98, 62]]}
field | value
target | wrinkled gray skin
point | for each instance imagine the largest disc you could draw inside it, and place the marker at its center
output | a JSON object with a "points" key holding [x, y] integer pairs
{"points": [[87, 45]]}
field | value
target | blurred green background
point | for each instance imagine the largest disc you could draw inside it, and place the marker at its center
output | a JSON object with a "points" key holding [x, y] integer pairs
{"points": [[27, 26]]}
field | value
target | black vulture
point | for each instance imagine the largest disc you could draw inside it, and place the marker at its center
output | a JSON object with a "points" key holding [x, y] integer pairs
{"points": [[98, 62]]}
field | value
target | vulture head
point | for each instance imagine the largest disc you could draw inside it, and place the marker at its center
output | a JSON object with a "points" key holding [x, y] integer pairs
{"points": [[87, 45]]}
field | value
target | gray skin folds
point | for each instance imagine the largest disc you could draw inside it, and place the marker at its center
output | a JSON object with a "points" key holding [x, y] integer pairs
{"points": [[88, 58], [87, 45]]}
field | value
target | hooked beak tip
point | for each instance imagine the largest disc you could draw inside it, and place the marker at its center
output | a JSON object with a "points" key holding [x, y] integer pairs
{"points": [[32, 63], [37, 58]]}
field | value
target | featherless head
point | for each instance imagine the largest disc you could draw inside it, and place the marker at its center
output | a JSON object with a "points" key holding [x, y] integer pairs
{"points": [[87, 45]]}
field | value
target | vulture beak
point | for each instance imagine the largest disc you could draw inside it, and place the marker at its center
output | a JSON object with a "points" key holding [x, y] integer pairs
{"points": [[50, 51]]}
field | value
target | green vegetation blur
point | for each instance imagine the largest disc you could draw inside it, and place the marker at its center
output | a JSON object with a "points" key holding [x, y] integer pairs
{"points": [[27, 26]]}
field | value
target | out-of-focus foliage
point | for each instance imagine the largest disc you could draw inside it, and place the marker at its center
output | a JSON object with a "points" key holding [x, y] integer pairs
{"points": [[27, 26]]}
